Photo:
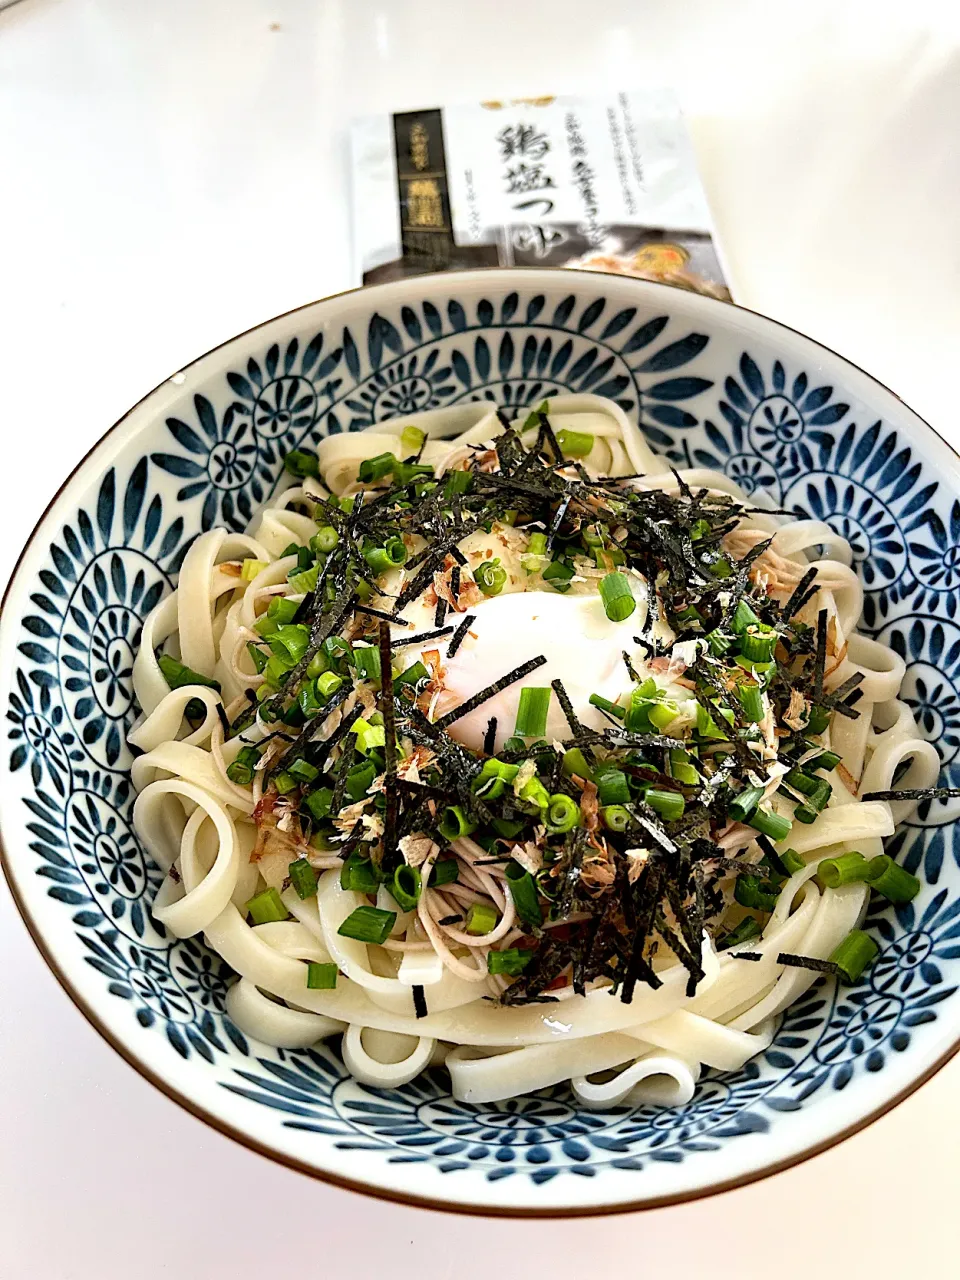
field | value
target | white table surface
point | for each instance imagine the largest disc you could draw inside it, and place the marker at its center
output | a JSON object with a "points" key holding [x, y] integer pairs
{"points": [[171, 173]]}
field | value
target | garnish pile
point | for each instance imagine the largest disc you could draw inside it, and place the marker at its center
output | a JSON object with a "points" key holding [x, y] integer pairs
{"points": [[619, 845]]}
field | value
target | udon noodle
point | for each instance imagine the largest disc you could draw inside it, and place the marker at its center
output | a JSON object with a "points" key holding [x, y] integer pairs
{"points": [[428, 993]]}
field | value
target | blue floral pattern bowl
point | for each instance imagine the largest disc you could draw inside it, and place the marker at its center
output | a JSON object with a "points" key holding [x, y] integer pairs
{"points": [[712, 386]]}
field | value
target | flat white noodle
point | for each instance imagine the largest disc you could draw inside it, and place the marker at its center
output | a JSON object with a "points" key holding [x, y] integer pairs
{"points": [[388, 1073], [657, 1079], [197, 824]]}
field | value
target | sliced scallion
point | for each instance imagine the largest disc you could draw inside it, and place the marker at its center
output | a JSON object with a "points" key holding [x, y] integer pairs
{"points": [[321, 976], [303, 878], [481, 919], [532, 712], [368, 924], [266, 907], [891, 880], [524, 893], [618, 601], [854, 954]]}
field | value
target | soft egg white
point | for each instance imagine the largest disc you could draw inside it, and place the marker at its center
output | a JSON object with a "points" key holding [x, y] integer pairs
{"points": [[583, 648]]}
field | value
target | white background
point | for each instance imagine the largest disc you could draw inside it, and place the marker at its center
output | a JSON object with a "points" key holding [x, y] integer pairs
{"points": [[171, 173]]}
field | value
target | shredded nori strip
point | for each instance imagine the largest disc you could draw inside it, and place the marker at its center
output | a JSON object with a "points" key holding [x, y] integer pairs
{"points": [[378, 613], [490, 736], [491, 691], [800, 593], [419, 1001], [567, 706], [747, 955], [404, 642], [440, 616], [915, 793], [460, 634], [450, 920], [806, 962]]}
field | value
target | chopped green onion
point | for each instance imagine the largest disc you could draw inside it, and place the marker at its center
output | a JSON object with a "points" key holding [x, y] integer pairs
{"points": [[510, 962], [681, 767], [814, 803], [303, 771], [266, 907], [854, 953], [284, 783], [574, 444], [412, 675], [615, 817], [532, 712], [791, 861], [455, 823], [412, 439], [390, 556], [304, 583], [769, 824], [699, 529], [367, 662], [575, 764], [325, 539], [277, 669], [242, 768], [661, 714], [606, 705], [562, 814], [751, 699], [721, 568], [303, 878], [318, 803], [457, 482], [758, 645], [328, 682], [819, 720], [250, 568], [825, 760], [178, 676], [740, 808], [534, 793], [801, 781], [368, 924], [890, 879], [372, 469], [481, 919], [445, 871], [494, 778], [707, 727], [301, 463], [507, 827], [320, 976], [359, 874], [490, 577], [745, 931], [612, 786], [668, 804], [848, 868], [317, 665], [749, 892], [718, 643], [257, 656], [618, 601], [558, 575], [289, 642], [743, 618], [524, 893], [369, 736], [406, 886]]}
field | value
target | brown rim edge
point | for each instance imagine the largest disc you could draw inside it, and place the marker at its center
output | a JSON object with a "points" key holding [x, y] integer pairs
{"points": [[369, 1189]]}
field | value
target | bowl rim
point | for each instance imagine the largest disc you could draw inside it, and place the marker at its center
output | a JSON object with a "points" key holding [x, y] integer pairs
{"points": [[237, 1134]]}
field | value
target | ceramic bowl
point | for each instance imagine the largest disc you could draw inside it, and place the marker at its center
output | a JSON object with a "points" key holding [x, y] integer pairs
{"points": [[712, 386]]}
